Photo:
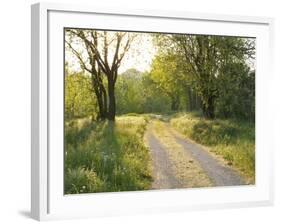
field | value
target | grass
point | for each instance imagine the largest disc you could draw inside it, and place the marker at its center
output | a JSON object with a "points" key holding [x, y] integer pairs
{"points": [[106, 156], [233, 140]]}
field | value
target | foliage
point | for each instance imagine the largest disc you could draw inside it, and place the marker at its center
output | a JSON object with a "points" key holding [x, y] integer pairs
{"points": [[106, 156], [212, 74], [105, 51], [207, 59], [129, 94], [236, 92], [79, 98], [167, 74], [136, 92], [233, 140]]}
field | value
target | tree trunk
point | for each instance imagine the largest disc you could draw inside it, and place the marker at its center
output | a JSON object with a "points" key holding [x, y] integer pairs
{"points": [[100, 105], [175, 102], [104, 103], [197, 102], [190, 100], [194, 101], [173, 105], [112, 103], [209, 108], [100, 94]]}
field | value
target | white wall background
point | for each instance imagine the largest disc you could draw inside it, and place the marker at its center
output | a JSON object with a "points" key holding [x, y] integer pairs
{"points": [[15, 110]]}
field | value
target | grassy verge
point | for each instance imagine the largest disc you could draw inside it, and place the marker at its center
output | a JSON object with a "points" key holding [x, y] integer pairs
{"points": [[106, 156], [233, 140]]}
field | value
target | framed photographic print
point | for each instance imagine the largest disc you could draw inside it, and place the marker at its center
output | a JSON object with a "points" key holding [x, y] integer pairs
{"points": [[148, 111]]}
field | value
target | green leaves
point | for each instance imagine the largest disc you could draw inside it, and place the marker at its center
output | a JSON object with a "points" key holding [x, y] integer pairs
{"points": [[211, 62], [79, 99]]}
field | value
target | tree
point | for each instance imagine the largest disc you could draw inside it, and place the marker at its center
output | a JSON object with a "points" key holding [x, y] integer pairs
{"points": [[105, 52], [206, 56], [154, 99], [129, 92], [168, 76], [237, 92]]}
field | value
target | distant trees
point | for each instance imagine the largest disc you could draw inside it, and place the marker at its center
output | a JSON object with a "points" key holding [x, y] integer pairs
{"points": [[213, 74], [102, 56], [136, 92], [129, 92], [168, 77]]}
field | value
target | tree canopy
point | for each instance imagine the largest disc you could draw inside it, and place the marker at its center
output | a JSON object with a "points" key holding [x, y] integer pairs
{"points": [[211, 74]]}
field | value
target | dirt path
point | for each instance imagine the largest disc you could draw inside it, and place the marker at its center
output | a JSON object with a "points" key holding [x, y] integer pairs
{"points": [[180, 163], [162, 167]]}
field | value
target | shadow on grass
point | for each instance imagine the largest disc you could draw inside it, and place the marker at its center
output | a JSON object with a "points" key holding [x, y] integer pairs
{"points": [[105, 158], [221, 132]]}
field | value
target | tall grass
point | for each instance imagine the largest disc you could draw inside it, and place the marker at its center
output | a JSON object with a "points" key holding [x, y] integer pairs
{"points": [[106, 156], [233, 140]]}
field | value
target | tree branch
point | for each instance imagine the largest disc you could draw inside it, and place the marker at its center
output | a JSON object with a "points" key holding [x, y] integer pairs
{"points": [[76, 53]]}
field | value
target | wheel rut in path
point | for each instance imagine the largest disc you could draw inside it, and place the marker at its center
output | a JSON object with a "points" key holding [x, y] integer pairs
{"points": [[219, 174], [162, 167], [170, 171]]}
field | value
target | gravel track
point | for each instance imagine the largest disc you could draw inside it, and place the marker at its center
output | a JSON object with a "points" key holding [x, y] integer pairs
{"points": [[219, 174], [163, 175], [162, 168]]}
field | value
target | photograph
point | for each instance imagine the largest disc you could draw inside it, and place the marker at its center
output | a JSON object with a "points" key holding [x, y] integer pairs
{"points": [[157, 111]]}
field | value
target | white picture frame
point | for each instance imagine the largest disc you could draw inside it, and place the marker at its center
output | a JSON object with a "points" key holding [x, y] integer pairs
{"points": [[47, 199]]}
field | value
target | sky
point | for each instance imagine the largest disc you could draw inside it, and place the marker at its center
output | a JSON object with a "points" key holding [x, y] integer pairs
{"points": [[139, 56]]}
